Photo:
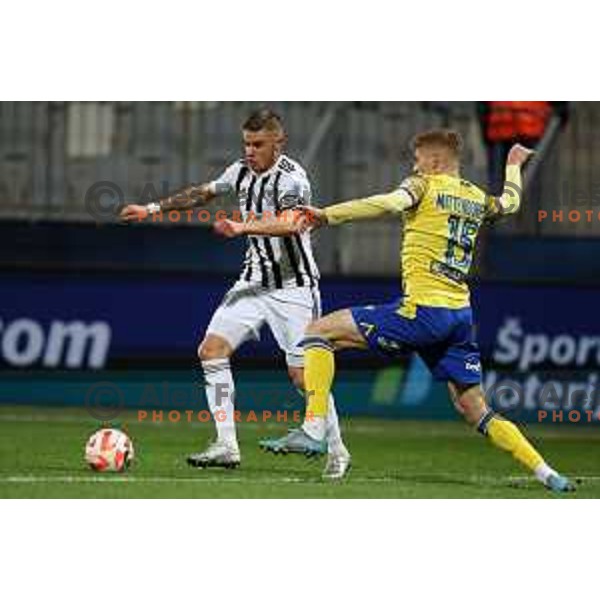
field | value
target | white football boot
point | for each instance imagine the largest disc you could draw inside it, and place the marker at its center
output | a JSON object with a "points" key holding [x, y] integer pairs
{"points": [[218, 454], [338, 465]]}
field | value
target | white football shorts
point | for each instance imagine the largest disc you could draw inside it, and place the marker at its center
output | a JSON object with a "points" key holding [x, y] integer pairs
{"points": [[246, 308]]}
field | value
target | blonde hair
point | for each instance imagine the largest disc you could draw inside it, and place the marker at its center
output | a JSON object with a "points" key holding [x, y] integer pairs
{"points": [[448, 139]]}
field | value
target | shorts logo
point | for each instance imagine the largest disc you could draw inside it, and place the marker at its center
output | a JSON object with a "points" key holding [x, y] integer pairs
{"points": [[369, 328], [392, 347], [388, 344], [473, 367]]}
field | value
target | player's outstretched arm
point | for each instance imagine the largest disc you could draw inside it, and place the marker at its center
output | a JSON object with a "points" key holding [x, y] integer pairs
{"points": [[184, 199], [406, 196], [287, 223], [510, 201]]}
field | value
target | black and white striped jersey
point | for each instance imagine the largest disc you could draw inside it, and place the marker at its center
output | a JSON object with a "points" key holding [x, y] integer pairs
{"points": [[273, 262]]}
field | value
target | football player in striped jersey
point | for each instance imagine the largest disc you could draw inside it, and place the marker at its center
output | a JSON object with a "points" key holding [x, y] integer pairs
{"points": [[278, 286]]}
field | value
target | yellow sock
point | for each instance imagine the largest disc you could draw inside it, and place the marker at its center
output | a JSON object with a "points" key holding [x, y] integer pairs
{"points": [[319, 370], [506, 436]]}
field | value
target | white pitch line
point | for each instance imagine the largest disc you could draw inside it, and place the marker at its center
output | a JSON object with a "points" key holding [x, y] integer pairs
{"points": [[119, 479], [125, 479]]}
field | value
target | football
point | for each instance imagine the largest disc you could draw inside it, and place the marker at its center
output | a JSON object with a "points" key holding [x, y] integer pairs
{"points": [[109, 450]]}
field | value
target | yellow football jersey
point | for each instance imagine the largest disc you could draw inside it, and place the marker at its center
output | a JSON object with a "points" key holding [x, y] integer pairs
{"points": [[443, 214], [439, 239]]}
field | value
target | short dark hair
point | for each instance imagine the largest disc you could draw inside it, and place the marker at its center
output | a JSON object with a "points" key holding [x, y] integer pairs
{"points": [[263, 119], [446, 138]]}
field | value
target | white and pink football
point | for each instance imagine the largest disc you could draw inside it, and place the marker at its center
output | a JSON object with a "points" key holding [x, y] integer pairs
{"points": [[109, 450]]}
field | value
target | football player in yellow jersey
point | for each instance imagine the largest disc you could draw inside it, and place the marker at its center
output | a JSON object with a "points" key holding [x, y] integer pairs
{"points": [[443, 214]]}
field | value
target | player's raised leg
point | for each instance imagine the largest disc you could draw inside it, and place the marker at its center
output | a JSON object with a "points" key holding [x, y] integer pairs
{"points": [[288, 314], [215, 353], [338, 456], [337, 331], [323, 337], [469, 401]]}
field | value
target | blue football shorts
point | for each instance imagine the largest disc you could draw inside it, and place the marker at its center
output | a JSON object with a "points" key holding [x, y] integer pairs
{"points": [[444, 338]]}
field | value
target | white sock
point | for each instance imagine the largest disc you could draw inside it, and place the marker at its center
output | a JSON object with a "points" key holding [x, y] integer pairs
{"points": [[543, 472], [220, 393], [335, 444], [316, 428], [328, 428]]}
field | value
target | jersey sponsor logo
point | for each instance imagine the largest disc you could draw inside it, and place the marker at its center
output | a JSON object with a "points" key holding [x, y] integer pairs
{"points": [[75, 344], [439, 268]]}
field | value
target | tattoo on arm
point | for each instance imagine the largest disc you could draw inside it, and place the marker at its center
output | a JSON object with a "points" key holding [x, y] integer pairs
{"points": [[191, 196]]}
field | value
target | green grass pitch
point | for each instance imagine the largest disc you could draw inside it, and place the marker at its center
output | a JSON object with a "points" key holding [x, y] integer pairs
{"points": [[41, 456]]}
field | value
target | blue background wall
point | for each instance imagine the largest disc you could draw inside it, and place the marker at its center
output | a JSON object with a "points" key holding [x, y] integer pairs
{"points": [[528, 333]]}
